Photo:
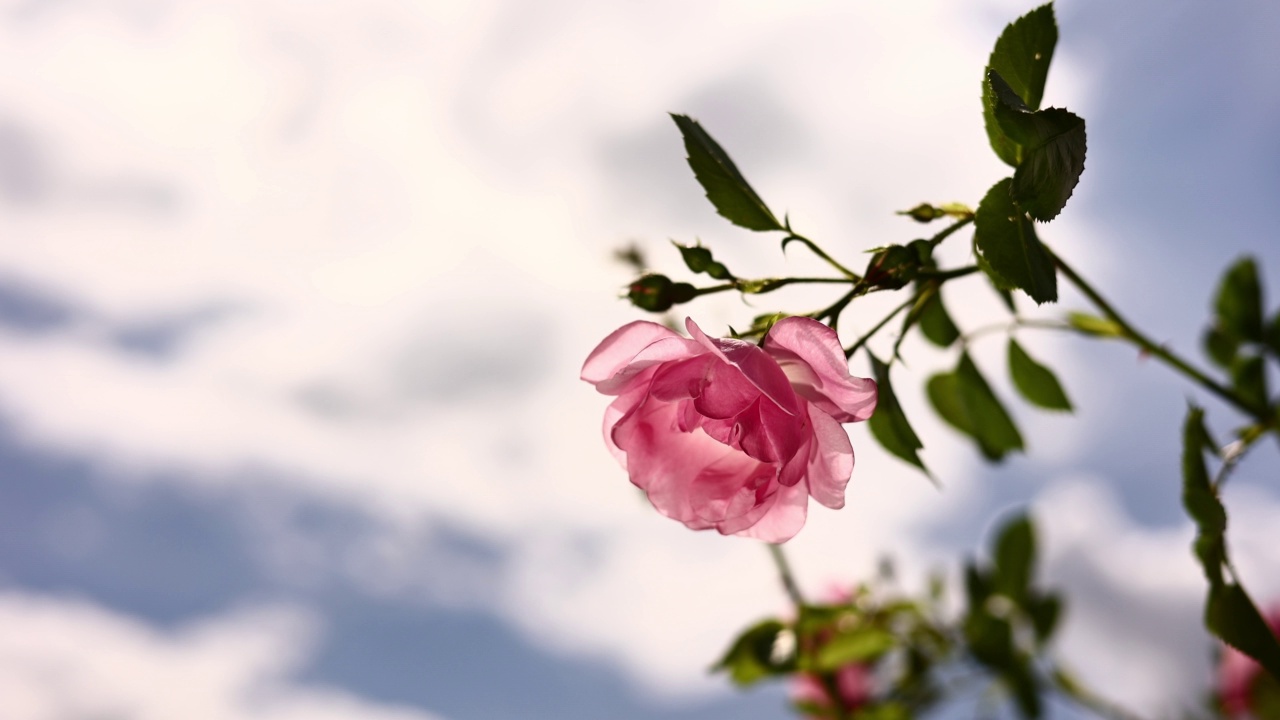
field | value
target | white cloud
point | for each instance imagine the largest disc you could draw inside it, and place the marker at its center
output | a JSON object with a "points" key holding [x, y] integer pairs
{"points": [[63, 658], [384, 193]]}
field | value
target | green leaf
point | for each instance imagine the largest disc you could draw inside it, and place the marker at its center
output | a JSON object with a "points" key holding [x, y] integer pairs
{"points": [[854, 647], [1201, 500], [965, 401], [1239, 301], [726, 188], [1015, 557], [935, 322], [1006, 241], [1026, 691], [1231, 615], [1221, 347], [889, 424], [1249, 378], [750, 658], [1036, 382], [1272, 338], [990, 639], [1022, 55], [1045, 612], [977, 586], [1053, 145]]}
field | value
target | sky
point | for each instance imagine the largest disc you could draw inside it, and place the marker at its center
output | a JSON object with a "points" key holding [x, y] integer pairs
{"points": [[293, 299]]}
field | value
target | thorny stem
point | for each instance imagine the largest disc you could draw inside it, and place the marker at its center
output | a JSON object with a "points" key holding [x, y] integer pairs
{"points": [[1150, 347]]}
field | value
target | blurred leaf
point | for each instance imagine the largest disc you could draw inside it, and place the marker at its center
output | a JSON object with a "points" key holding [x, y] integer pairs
{"points": [[965, 400], [726, 188], [1006, 240], [1015, 556], [990, 639], [1026, 691], [888, 424], [1021, 55], [1249, 378], [750, 658], [1220, 346], [1231, 615], [977, 586], [1036, 382], [935, 322], [1239, 301], [1093, 325], [858, 646], [1045, 612], [1272, 338]]}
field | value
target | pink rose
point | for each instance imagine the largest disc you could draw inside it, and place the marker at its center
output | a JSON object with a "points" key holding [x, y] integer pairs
{"points": [[1238, 675], [728, 435], [854, 683]]}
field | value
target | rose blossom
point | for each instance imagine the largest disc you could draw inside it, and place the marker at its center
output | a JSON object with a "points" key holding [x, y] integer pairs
{"points": [[854, 683], [1238, 674], [725, 434]]}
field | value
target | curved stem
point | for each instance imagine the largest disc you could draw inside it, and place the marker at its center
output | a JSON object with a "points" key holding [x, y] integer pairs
{"points": [[849, 351], [820, 253], [972, 335], [948, 230], [1134, 335]]}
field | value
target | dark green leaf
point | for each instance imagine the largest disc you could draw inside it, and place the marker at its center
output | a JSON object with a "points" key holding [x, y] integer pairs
{"points": [[726, 188], [935, 322], [1200, 499], [1272, 338], [1025, 689], [965, 400], [1022, 55], [1015, 557], [977, 586], [1249, 378], [854, 647], [1006, 241], [1045, 612], [750, 658], [1036, 382], [990, 639], [1231, 615], [1221, 347], [1053, 145], [889, 424], [1239, 301]]}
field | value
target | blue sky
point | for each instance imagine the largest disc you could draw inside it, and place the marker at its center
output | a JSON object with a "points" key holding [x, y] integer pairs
{"points": [[293, 299]]}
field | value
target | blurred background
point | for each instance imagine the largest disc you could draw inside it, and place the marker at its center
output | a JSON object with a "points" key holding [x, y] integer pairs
{"points": [[293, 297]]}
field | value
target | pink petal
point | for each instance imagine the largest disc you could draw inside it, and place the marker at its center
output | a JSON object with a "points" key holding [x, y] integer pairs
{"points": [[830, 460], [784, 518], [754, 364], [631, 349], [809, 353]]}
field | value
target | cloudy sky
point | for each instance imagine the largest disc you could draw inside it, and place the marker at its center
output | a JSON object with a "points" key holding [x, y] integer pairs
{"points": [[293, 297]]}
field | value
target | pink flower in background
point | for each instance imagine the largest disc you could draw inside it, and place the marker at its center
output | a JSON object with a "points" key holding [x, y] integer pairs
{"points": [[1238, 675], [725, 434], [854, 683]]}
